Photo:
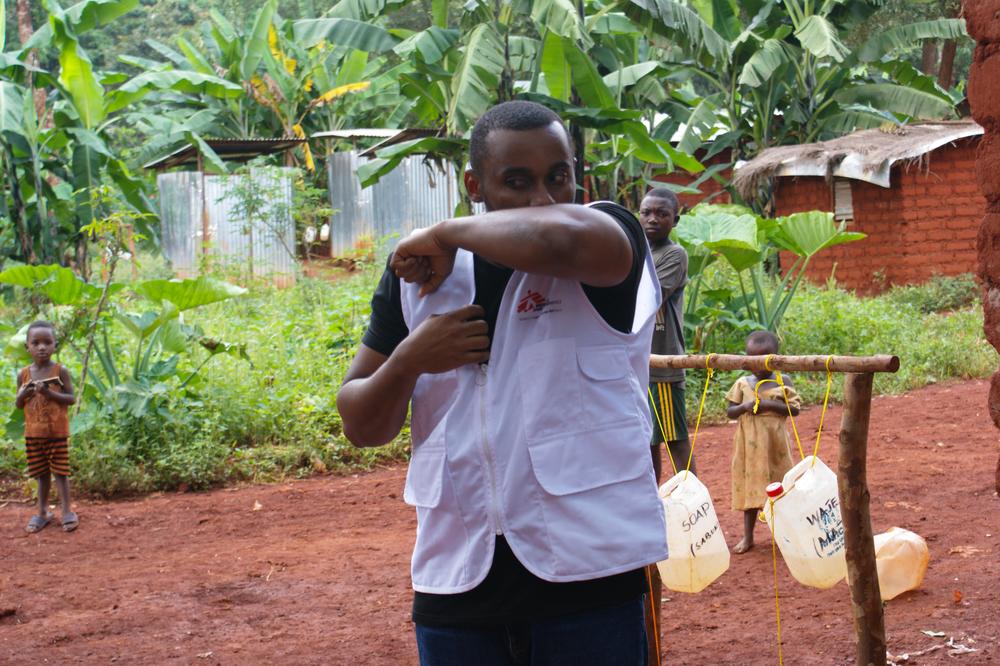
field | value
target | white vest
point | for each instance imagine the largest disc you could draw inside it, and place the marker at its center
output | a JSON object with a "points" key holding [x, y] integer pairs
{"points": [[547, 445]]}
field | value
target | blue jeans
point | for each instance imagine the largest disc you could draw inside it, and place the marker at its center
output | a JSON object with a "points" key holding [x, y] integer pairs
{"points": [[612, 636]]}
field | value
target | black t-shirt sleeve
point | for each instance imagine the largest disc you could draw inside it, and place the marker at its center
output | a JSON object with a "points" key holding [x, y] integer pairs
{"points": [[617, 304], [387, 327]]}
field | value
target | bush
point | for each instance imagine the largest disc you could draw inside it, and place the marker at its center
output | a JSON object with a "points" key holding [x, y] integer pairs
{"points": [[939, 294]]}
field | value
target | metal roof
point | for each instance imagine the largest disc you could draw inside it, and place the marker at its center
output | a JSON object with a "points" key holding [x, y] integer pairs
{"points": [[866, 155], [358, 133], [227, 149]]}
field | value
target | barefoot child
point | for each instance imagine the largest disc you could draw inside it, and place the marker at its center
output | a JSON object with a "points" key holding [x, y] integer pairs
{"points": [[45, 392], [761, 452]]}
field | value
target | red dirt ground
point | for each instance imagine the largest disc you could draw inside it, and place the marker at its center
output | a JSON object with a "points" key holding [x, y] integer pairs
{"points": [[316, 571]]}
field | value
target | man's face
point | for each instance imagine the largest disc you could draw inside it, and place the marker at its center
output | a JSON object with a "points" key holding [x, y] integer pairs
{"points": [[657, 217], [524, 168]]}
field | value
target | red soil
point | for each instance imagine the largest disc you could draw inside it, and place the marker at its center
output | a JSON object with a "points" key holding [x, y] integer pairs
{"points": [[316, 571]]}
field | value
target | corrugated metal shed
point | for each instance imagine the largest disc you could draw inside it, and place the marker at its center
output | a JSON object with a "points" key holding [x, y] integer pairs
{"points": [[263, 246], [414, 195]]}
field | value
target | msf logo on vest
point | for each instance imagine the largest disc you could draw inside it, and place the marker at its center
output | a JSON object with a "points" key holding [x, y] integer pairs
{"points": [[533, 305]]}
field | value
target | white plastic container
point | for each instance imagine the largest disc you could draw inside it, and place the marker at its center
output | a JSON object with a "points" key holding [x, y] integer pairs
{"points": [[901, 558], [697, 549], [807, 525]]}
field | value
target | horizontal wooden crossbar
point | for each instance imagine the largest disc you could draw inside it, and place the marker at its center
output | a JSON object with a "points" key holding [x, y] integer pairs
{"points": [[883, 363]]}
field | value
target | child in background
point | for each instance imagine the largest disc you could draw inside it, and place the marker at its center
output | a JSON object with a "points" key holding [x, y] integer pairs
{"points": [[45, 392], [761, 450]]}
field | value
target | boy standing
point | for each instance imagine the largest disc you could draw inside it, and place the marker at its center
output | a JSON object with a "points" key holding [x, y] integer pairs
{"points": [[658, 214], [45, 392], [520, 337]]}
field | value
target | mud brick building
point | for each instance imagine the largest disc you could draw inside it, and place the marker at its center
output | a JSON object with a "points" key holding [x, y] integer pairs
{"points": [[911, 189]]}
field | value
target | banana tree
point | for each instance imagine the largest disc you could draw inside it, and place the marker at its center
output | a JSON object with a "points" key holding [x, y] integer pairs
{"points": [[778, 73]]}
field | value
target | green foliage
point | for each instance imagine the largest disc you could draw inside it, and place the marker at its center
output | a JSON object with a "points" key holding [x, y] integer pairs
{"points": [[827, 320], [939, 294], [746, 242]]}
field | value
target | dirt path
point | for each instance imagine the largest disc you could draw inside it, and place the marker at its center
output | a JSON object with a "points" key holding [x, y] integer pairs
{"points": [[316, 571]]}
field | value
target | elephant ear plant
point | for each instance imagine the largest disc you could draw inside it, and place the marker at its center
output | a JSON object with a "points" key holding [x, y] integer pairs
{"points": [[746, 242], [147, 353]]}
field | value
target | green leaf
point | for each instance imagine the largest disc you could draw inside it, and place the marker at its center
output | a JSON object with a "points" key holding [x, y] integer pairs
{"points": [[735, 237], [3, 26], [555, 67], [388, 158], [897, 99], [80, 18], [805, 234], [11, 107], [630, 75], [432, 44], [679, 23], [187, 294], [819, 37], [14, 428], [475, 80], [904, 36], [587, 80], [523, 52], [211, 158], [239, 350], [196, 59], [256, 45], [762, 65], [15, 348], [174, 336], [186, 82], [345, 32], [77, 77], [59, 284], [560, 17]]}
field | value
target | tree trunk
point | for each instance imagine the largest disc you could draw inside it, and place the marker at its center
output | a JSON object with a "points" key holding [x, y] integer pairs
{"points": [[929, 58], [947, 69], [24, 32]]}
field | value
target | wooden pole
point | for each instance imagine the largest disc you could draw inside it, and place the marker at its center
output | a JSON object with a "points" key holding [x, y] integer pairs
{"points": [[788, 363], [852, 482]]}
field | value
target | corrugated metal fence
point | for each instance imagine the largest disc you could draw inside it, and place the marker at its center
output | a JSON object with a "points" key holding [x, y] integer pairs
{"points": [[414, 195], [264, 246]]}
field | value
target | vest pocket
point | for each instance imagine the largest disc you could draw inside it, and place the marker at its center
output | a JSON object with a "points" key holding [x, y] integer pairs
{"points": [[564, 466], [425, 475], [570, 389]]}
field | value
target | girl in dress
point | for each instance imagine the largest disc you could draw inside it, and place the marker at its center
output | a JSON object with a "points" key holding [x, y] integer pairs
{"points": [[761, 448]]}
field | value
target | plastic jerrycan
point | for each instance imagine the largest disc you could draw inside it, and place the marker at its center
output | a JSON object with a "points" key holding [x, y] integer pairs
{"points": [[901, 558], [698, 553], [810, 532]]}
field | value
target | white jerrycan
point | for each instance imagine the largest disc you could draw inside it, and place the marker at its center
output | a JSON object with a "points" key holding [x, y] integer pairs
{"points": [[807, 525], [697, 549], [901, 558]]}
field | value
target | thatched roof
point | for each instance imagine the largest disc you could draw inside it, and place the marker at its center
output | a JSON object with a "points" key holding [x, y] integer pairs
{"points": [[866, 155]]}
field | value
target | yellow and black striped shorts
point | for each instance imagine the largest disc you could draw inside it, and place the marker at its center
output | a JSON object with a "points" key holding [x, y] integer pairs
{"points": [[46, 455], [666, 404]]}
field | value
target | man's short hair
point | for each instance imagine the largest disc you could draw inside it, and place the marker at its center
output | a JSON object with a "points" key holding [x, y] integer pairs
{"points": [[763, 339], [514, 115], [666, 195]]}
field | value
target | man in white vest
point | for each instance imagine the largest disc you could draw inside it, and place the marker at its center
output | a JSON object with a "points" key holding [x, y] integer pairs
{"points": [[520, 340]]}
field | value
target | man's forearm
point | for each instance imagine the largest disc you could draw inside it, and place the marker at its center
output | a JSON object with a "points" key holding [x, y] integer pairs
{"points": [[566, 241], [373, 409]]}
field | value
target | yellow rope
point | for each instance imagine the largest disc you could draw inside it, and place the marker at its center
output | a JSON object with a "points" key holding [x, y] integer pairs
{"points": [[784, 394], [774, 562], [663, 431], [822, 414], [701, 407]]}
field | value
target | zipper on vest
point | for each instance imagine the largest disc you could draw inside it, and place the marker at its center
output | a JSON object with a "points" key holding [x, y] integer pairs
{"points": [[481, 385]]}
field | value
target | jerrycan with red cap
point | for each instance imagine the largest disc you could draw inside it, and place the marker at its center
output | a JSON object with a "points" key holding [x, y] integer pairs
{"points": [[803, 512]]}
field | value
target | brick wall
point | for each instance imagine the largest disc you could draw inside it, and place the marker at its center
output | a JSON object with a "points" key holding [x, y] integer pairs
{"points": [[925, 225]]}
